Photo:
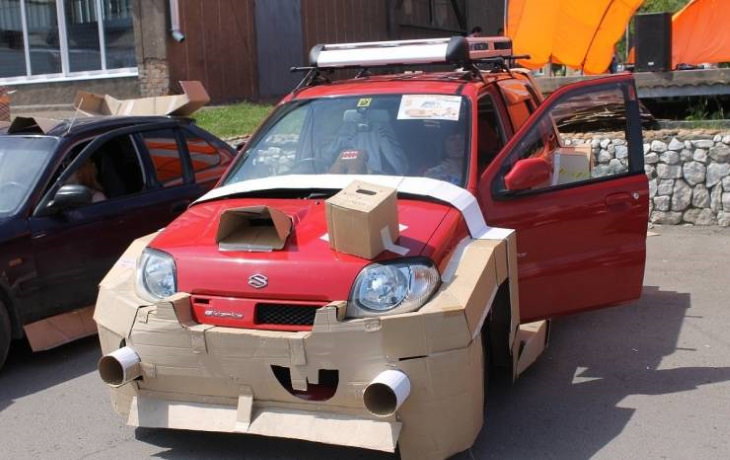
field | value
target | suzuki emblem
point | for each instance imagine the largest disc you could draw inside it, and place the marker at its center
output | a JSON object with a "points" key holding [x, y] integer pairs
{"points": [[258, 281]]}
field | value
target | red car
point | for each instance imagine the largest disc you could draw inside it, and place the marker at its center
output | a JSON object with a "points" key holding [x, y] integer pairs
{"points": [[511, 210]]}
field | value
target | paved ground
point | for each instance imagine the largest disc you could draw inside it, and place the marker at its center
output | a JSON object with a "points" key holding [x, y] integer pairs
{"points": [[648, 380]]}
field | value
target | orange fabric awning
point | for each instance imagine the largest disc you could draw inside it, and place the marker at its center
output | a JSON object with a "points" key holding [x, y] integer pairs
{"points": [[577, 33], [700, 33]]}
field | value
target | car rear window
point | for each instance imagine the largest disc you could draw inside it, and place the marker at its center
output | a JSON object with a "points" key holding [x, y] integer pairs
{"points": [[203, 155], [164, 151]]}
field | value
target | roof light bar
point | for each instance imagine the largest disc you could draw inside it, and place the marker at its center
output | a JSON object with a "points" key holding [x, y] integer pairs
{"points": [[489, 47], [454, 50]]}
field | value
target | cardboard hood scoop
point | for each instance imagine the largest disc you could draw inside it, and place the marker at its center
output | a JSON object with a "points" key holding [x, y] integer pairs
{"points": [[255, 228]]}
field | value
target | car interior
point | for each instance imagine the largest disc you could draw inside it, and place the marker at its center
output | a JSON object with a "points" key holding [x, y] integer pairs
{"points": [[118, 169]]}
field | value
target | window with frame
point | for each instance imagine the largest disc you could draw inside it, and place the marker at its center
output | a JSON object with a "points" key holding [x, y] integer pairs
{"points": [[582, 138], [111, 171], [65, 37], [164, 151], [203, 155]]}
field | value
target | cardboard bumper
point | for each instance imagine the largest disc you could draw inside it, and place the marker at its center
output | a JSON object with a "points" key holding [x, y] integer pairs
{"points": [[206, 377], [194, 97]]}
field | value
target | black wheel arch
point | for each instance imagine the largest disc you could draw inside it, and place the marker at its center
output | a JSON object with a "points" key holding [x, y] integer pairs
{"points": [[16, 326], [497, 329]]}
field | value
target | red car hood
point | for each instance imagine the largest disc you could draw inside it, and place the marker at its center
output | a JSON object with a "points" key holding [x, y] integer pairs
{"points": [[306, 269]]}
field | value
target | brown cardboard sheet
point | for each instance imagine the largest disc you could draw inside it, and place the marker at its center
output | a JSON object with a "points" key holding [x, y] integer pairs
{"points": [[194, 97], [60, 329], [37, 125], [362, 219], [532, 339], [256, 228], [329, 428]]}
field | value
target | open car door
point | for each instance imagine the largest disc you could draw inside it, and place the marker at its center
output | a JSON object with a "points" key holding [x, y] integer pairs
{"points": [[571, 182]]}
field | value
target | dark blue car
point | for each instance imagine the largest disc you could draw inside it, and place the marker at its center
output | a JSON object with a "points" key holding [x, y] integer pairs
{"points": [[73, 195]]}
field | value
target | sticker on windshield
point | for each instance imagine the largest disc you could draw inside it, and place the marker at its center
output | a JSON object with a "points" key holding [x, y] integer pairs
{"points": [[429, 107], [364, 102]]}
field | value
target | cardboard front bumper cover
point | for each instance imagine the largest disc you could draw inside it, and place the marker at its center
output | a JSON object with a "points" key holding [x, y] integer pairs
{"points": [[214, 378]]}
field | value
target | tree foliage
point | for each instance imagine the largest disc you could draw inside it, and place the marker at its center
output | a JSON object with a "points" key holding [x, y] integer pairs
{"points": [[660, 6]]}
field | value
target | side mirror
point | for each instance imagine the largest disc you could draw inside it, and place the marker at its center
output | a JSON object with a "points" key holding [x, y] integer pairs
{"points": [[527, 173], [71, 196]]}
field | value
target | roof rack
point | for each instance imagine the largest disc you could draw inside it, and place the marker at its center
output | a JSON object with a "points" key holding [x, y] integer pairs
{"points": [[473, 55]]}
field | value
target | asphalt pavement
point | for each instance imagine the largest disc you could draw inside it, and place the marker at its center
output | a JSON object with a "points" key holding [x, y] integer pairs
{"points": [[647, 380]]}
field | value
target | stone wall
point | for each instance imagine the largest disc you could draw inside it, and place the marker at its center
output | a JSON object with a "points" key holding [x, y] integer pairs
{"points": [[688, 171]]}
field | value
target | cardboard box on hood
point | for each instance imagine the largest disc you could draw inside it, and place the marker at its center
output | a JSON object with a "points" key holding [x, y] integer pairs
{"points": [[362, 219], [194, 97]]}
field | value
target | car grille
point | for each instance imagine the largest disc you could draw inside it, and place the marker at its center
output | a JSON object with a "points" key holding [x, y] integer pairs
{"points": [[291, 315], [294, 315]]}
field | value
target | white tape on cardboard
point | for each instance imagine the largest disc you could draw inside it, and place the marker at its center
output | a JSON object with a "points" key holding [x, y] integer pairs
{"points": [[443, 191], [389, 245]]}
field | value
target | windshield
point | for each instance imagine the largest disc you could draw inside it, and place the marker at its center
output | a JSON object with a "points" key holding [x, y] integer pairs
{"points": [[22, 160], [422, 135]]}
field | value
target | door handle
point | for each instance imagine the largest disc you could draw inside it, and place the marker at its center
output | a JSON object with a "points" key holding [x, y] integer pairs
{"points": [[618, 201], [179, 206]]}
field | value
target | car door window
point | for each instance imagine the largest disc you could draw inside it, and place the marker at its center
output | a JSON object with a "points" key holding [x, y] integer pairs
{"points": [[112, 171], [204, 156], [164, 152], [519, 101], [582, 138]]}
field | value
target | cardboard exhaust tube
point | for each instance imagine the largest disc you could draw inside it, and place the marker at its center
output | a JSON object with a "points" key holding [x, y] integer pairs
{"points": [[385, 394], [119, 367]]}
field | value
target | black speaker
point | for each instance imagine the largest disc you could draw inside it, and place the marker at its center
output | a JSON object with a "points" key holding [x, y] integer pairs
{"points": [[653, 42]]}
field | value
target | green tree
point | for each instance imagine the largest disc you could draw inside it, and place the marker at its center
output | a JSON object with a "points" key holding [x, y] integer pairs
{"points": [[660, 6]]}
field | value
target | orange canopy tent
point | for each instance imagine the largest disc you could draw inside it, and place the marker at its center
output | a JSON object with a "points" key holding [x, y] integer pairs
{"points": [[700, 33], [577, 33]]}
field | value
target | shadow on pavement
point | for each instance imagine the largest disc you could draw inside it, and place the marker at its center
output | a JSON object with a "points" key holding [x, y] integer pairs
{"points": [[567, 405], [196, 445], [26, 372]]}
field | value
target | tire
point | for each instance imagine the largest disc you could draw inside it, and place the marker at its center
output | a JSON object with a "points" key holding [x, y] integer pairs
{"points": [[486, 366], [4, 333]]}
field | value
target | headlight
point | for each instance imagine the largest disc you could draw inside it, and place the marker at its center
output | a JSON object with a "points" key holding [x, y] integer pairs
{"points": [[156, 275], [393, 287]]}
